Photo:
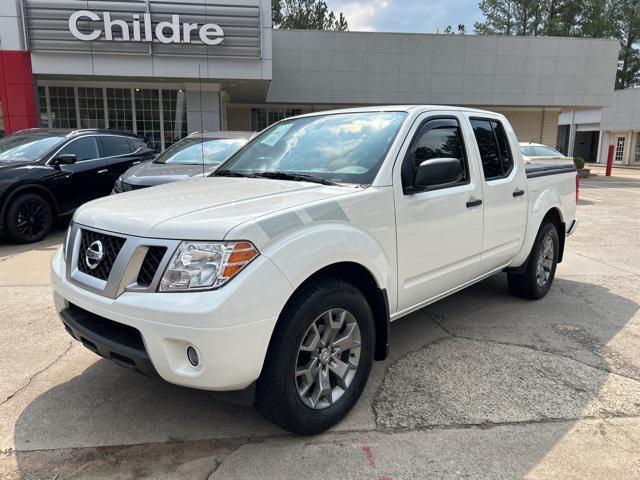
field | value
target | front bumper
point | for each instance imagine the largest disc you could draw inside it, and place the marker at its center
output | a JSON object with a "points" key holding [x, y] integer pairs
{"points": [[572, 228], [230, 328]]}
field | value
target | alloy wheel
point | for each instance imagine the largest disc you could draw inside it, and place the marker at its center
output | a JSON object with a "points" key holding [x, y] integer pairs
{"points": [[327, 358], [545, 261], [32, 219]]}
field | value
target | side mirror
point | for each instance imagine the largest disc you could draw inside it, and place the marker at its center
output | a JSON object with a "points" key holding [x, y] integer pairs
{"points": [[438, 171], [66, 159]]}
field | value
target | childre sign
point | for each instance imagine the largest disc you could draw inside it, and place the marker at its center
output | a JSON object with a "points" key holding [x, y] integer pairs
{"points": [[141, 29]]}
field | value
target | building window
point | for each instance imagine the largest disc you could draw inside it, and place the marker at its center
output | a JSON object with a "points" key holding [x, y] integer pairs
{"points": [[619, 149], [174, 116], [119, 109], [91, 107], [148, 115], [62, 102], [636, 157], [42, 101], [155, 114], [261, 118]]}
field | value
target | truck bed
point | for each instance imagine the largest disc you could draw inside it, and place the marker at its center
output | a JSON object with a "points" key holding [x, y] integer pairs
{"points": [[542, 169]]}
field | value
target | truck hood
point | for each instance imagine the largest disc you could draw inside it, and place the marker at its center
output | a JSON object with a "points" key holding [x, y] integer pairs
{"points": [[203, 208]]}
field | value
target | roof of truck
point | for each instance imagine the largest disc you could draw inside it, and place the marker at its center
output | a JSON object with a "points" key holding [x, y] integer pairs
{"points": [[400, 108]]}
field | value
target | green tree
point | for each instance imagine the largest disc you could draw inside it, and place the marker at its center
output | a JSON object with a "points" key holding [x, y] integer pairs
{"points": [[628, 32], [461, 30], [306, 15]]}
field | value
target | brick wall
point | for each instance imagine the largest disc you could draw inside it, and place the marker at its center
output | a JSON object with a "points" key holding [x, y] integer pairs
{"points": [[536, 126]]}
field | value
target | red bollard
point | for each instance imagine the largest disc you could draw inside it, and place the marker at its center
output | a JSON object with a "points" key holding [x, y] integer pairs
{"points": [[609, 161]]}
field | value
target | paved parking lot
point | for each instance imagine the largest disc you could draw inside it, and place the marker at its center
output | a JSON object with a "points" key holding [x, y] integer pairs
{"points": [[480, 385]]}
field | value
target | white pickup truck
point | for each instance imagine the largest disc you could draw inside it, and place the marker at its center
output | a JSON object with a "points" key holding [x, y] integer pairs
{"points": [[277, 276]]}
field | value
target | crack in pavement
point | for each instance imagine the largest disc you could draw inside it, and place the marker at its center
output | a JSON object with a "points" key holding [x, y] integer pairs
{"points": [[529, 347], [26, 385]]}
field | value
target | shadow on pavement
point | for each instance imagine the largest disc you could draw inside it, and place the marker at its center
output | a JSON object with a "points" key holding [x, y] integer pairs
{"points": [[480, 357]]}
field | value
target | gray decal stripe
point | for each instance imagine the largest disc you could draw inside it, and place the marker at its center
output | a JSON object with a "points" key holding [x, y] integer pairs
{"points": [[279, 224], [327, 211]]}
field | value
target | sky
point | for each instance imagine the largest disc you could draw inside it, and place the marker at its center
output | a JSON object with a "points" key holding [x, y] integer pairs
{"points": [[424, 16]]}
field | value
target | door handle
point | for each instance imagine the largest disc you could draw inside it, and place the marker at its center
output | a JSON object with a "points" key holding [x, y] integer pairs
{"points": [[104, 170], [474, 203], [518, 193]]}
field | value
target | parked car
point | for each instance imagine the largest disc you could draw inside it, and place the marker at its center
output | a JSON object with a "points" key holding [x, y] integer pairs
{"points": [[277, 276], [537, 152], [194, 156], [47, 173]]}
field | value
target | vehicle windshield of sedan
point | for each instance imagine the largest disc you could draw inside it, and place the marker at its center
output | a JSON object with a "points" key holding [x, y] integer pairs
{"points": [[540, 151], [21, 148], [198, 151], [340, 148]]}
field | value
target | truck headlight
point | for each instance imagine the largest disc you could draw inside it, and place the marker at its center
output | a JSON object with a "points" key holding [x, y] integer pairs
{"points": [[206, 265]]}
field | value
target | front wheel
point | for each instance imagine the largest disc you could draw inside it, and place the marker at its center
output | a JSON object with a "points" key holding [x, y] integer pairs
{"points": [[29, 218], [319, 358], [536, 280]]}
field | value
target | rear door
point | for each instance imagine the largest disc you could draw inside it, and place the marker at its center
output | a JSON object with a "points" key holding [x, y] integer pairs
{"points": [[118, 155], [439, 230], [505, 190]]}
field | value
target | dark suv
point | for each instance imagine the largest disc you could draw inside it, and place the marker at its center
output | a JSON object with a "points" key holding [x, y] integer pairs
{"points": [[47, 173]]}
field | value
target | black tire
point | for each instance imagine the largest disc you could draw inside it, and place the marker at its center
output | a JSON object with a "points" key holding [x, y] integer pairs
{"points": [[527, 284], [29, 218], [277, 394]]}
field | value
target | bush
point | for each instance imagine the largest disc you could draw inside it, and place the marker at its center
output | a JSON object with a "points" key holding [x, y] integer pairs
{"points": [[579, 162]]}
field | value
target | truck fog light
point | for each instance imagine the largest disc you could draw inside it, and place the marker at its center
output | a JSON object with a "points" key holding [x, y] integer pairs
{"points": [[192, 355]]}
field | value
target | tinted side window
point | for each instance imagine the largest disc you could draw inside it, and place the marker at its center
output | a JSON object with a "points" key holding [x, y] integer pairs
{"points": [[112, 146], [439, 138], [495, 153], [506, 157], [83, 148]]}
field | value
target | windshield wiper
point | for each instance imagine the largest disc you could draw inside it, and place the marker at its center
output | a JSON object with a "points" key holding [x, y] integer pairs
{"points": [[230, 173], [296, 177]]}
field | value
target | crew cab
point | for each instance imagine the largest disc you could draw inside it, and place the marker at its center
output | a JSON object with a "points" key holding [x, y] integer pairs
{"points": [[277, 276]]}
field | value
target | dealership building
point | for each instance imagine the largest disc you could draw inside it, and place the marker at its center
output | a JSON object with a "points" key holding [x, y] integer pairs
{"points": [[163, 69]]}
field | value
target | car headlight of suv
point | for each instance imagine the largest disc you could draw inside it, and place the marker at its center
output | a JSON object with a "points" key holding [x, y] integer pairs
{"points": [[117, 186], [206, 265]]}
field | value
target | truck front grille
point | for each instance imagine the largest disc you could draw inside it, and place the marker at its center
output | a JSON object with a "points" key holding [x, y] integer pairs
{"points": [[150, 265], [109, 246]]}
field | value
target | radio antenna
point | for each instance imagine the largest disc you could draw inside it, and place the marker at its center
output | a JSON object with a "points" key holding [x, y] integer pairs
{"points": [[201, 120]]}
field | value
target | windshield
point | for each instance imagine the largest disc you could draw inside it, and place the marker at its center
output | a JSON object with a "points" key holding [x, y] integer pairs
{"points": [[22, 148], [539, 151], [342, 148], [196, 151]]}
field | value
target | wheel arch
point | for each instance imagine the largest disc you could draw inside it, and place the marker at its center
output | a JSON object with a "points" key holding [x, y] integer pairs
{"points": [[364, 280]]}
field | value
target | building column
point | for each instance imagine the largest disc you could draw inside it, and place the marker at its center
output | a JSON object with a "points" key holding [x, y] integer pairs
{"points": [[203, 108], [17, 91], [572, 135]]}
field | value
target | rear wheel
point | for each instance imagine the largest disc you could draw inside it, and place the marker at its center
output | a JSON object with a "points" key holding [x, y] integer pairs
{"points": [[536, 280], [29, 218], [319, 358]]}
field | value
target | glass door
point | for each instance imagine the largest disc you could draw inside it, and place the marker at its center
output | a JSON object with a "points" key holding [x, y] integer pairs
{"points": [[619, 154]]}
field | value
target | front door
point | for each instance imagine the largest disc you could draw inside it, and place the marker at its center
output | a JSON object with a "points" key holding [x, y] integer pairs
{"points": [[439, 229], [82, 181]]}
